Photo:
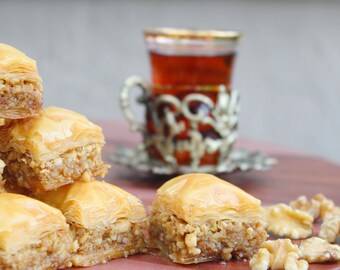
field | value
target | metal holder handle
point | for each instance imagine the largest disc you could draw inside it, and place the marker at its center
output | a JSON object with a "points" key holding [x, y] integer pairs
{"points": [[129, 84]]}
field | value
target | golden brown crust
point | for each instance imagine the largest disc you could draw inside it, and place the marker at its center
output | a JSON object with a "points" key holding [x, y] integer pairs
{"points": [[25, 220], [20, 85], [199, 217], [95, 203], [47, 136], [106, 221], [197, 198], [14, 63]]}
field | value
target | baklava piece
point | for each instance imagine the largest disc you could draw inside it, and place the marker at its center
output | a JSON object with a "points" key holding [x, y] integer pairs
{"points": [[33, 235], [51, 150], [20, 85], [2, 182], [106, 221], [199, 217]]}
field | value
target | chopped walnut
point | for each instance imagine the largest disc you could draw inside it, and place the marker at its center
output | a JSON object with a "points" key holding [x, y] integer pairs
{"points": [[330, 228], [332, 213], [261, 260], [315, 249], [326, 205], [312, 207], [293, 263], [283, 220], [278, 254]]}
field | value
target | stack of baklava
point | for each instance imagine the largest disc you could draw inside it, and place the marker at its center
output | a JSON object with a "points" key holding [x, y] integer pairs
{"points": [[52, 156], [64, 217]]}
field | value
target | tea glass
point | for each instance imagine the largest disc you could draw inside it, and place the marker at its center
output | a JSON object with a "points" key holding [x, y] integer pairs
{"points": [[191, 109]]}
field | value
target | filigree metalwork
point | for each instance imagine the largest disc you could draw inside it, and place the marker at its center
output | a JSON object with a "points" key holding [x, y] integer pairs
{"points": [[221, 116], [171, 117]]}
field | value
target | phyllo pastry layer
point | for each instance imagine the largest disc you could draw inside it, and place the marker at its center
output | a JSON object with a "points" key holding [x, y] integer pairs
{"points": [[33, 235], [20, 85], [199, 217], [106, 221], [51, 150]]}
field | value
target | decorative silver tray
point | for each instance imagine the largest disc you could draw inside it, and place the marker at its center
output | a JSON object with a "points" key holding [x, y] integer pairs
{"points": [[238, 159]]}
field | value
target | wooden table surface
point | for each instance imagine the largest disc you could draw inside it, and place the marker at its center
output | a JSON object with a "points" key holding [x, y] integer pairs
{"points": [[296, 174]]}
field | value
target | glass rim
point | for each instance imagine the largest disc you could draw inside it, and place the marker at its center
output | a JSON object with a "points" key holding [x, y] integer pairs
{"points": [[187, 33]]}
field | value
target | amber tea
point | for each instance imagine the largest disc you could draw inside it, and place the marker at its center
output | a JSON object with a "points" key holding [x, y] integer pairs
{"points": [[191, 109], [191, 69]]}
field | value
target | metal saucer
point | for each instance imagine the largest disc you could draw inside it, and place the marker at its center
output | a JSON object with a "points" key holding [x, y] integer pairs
{"points": [[239, 159]]}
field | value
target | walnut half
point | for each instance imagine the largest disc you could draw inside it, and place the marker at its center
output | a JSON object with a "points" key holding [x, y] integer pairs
{"points": [[278, 254], [312, 206], [330, 228], [283, 220], [317, 250]]}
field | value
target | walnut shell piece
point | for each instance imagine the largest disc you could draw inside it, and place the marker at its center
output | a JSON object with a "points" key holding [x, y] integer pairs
{"points": [[312, 206], [283, 220], [278, 254], [317, 250]]}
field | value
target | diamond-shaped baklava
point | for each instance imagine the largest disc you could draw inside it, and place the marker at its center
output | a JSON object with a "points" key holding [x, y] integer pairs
{"points": [[51, 150], [20, 85], [199, 217], [33, 235], [106, 221]]}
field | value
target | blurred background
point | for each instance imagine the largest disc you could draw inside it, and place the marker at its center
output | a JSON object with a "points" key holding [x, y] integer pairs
{"points": [[287, 69]]}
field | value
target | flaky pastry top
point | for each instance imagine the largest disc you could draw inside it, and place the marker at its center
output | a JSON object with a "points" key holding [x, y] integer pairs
{"points": [[25, 220], [198, 198], [15, 64], [95, 204], [52, 133]]}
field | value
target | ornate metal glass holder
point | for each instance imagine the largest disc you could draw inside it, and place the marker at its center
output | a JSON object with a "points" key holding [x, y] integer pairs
{"points": [[171, 117]]}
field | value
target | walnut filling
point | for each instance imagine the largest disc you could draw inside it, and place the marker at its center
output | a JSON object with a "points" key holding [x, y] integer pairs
{"points": [[20, 100], [81, 163], [214, 240], [100, 244], [54, 246]]}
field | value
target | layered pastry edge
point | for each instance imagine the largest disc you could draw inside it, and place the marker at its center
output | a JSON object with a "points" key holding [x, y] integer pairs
{"points": [[20, 85], [198, 217], [56, 148], [105, 221]]}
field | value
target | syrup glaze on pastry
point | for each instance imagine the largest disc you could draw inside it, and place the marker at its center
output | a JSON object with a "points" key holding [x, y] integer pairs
{"points": [[106, 221], [51, 150], [25, 220], [95, 203], [20, 85], [199, 217], [197, 198], [14, 63], [48, 135]]}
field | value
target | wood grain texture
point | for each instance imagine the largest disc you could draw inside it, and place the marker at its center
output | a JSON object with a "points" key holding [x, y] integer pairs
{"points": [[295, 174]]}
